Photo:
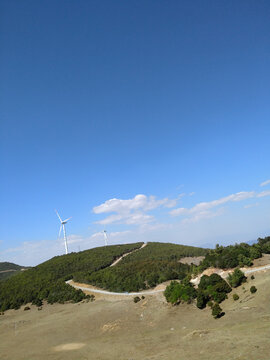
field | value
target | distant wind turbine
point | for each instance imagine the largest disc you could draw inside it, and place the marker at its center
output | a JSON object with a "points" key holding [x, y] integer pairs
{"points": [[62, 226], [105, 237]]}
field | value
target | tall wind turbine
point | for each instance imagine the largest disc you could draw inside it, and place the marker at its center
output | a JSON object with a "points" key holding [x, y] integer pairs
{"points": [[105, 237], [62, 226]]}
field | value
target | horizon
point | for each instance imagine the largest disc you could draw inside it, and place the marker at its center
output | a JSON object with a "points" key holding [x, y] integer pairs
{"points": [[73, 252], [149, 120]]}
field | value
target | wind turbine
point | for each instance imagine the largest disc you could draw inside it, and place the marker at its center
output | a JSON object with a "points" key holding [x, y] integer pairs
{"points": [[105, 237], [62, 226]]}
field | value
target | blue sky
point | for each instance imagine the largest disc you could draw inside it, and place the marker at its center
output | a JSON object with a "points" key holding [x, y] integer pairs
{"points": [[161, 104]]}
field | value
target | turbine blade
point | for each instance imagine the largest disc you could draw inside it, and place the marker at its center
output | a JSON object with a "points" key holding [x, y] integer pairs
{"points": [[60, 231], [67, 219], [58, 215]]}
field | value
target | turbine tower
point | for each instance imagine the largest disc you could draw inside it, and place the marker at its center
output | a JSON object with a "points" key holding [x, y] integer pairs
{"points": [[105, 237], [62, 226]]}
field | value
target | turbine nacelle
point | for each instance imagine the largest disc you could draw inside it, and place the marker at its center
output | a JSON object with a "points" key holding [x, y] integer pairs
{"points": [[65, 221]]}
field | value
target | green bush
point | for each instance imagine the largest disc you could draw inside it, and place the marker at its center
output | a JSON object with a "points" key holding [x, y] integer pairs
{"points": [[175, 292], [26, 308], [202, 299], [136, 299], [253, 289], [235, 297], [236, 278], [252, 277], [212, 287], [216, 311], [210, 304]]}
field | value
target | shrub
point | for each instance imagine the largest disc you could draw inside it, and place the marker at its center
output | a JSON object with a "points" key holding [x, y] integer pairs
{"points": [[143, 297], [26, 308], [253, 289], [175, 292], [236, 278], [37, 302], [210, 304], [201, 299], [136, 299], [252, 277], [216, 311], [212, 288], [244, 260], [235, 297]]}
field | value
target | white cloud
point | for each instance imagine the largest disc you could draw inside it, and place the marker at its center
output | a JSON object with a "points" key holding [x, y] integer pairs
{"points": [[251, 205], [203, 206], [140, 201], [265, 183], [132, 211], [263, 193], [206, 214]]}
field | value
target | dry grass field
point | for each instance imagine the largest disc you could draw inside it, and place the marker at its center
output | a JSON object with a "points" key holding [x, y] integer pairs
{"points": [[113, 328]]}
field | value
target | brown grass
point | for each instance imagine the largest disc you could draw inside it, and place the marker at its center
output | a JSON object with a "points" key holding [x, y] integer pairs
{"points": [[148, 330]]}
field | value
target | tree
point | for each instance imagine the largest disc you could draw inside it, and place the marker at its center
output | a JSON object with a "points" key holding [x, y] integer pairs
{"points": [[201, 299], [176, 292], [236, 278]]}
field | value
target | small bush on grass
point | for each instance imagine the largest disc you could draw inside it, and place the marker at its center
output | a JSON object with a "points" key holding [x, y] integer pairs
{"points": [[136, 299], [175, 292], [236, 278], [252, 277], [235, 297], [217, 311], [253, 289]]}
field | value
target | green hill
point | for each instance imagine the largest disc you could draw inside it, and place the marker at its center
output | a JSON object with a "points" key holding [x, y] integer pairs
{"points": [[152, 265], [8, 269], [47, 280]]}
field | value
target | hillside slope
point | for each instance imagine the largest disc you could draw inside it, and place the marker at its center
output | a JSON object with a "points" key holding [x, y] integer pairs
{"points": [[47, 280], [144, 269]]}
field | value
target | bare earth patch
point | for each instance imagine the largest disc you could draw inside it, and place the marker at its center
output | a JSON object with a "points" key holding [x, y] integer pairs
{"points": [[69, 346], [196, 260]]}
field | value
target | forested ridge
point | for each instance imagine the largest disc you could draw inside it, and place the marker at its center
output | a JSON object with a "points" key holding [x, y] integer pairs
{"points": [[144, 269], [47, 280], [8, 269], [10, 266]]}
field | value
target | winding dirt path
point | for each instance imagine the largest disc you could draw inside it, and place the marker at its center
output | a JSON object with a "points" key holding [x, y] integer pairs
{"points": [[126, 254], [161, 287], [92, 289]]}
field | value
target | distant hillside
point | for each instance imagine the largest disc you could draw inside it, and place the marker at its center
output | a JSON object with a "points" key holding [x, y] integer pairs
{"points": [[8, 269]]}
